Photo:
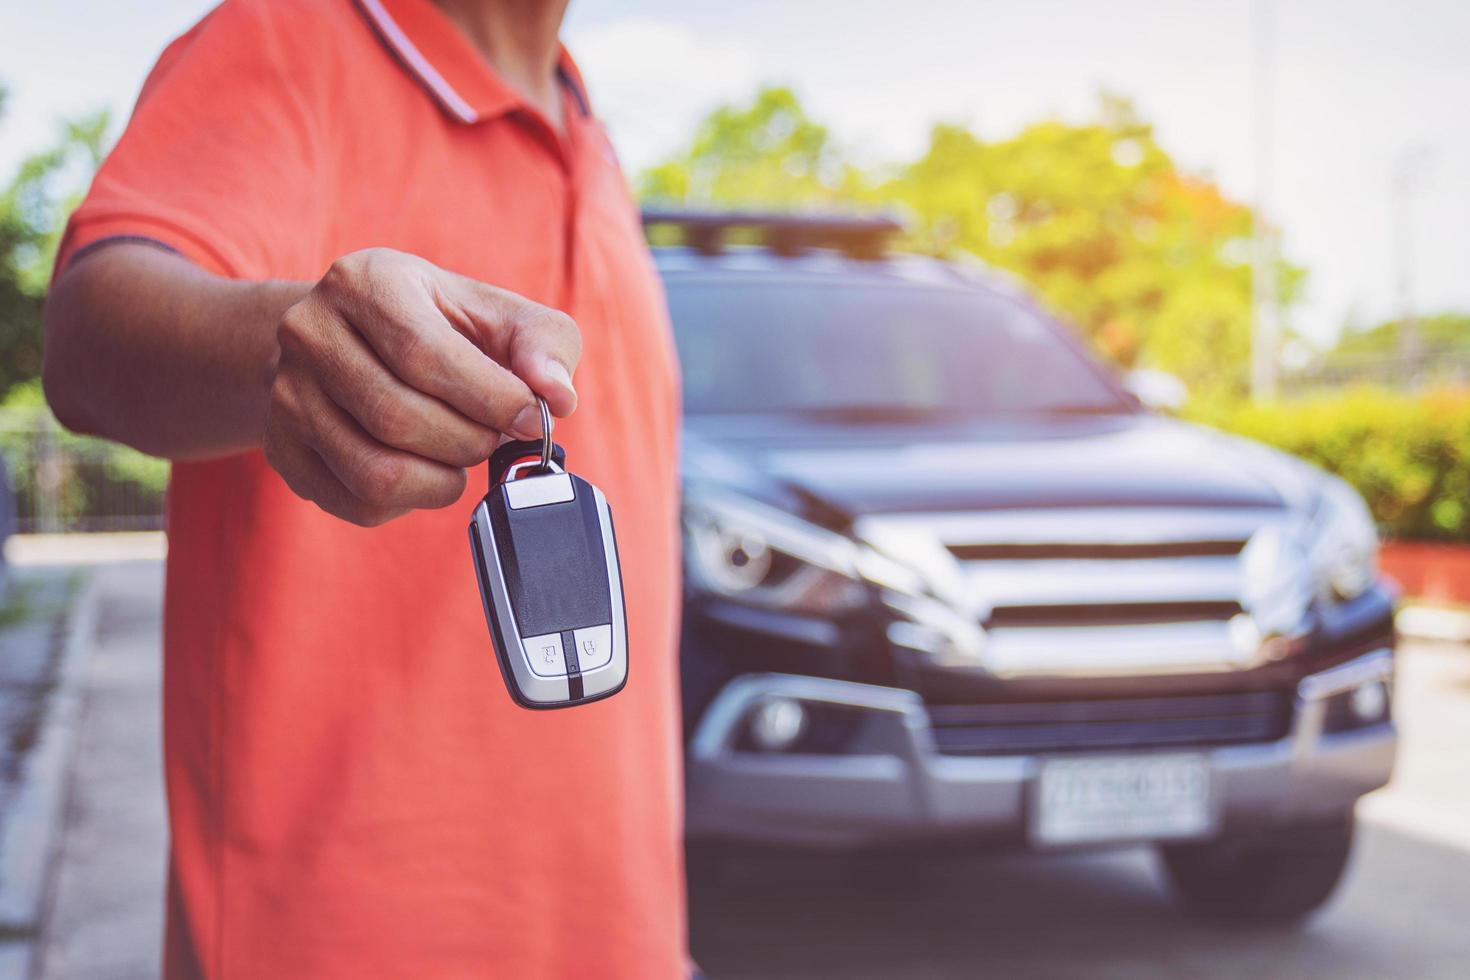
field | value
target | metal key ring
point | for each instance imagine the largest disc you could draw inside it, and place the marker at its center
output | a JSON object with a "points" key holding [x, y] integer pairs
{"points": [[546, 425]]}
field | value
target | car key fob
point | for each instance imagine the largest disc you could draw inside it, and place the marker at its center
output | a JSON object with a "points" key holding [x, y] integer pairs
{"points": [[547, 563]]}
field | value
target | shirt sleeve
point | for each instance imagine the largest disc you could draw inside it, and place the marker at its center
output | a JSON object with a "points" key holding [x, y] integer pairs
{"points": [[219, 160]]}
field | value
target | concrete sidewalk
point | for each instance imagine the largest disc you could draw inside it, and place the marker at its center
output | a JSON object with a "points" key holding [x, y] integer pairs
{"points": [[46, 632], [104, 910]]}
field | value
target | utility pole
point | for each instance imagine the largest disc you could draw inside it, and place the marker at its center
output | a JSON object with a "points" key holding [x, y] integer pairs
{"points": [[1265, 313], [1406, 178]]}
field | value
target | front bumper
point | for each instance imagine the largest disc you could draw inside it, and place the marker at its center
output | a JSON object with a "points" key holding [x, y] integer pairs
{"points": [[901, 789]]}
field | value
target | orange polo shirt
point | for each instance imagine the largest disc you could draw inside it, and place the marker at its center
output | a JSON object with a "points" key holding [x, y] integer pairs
{"points": [[353, 794]]}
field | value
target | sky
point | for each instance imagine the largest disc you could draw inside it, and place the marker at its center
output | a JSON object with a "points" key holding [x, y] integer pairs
{"points": [[1361, 94]]}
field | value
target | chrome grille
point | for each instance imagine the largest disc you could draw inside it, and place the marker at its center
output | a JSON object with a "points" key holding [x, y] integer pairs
{"points": [[1111, 614], [1101, 591], [1097, 549]]}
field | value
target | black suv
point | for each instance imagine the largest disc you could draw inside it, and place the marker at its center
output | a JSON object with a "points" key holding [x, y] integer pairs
{"points": [[948, 580]]}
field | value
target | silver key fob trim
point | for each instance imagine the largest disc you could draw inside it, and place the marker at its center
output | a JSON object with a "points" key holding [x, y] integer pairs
{"points": [[529, 688]]}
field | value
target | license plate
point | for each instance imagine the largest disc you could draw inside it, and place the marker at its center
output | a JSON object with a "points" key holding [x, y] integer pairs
{"points": [[1122, 798]]}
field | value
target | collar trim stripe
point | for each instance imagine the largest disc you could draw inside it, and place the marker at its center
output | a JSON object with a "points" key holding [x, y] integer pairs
{"points": [[415, 61]]}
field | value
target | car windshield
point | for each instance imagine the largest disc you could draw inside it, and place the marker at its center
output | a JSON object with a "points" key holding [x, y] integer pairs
{"points": [[875, 352]]}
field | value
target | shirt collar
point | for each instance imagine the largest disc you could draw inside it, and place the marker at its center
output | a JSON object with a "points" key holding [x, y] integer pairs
{"points": [[449, 67]]}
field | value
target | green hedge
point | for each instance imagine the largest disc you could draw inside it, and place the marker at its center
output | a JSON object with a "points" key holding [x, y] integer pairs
{"points": [[1409, 455]]}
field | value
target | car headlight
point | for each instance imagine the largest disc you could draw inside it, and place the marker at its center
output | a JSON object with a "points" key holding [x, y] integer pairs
{"points": [[1276, 588], [1285, 567], [1344, 544], [742, 549], [751, 552]]}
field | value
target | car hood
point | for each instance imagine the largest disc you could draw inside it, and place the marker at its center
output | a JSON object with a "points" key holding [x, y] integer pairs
{"points": [[845, 471]]}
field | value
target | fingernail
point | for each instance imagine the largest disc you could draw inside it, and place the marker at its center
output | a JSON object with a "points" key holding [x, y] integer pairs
{"points": [[528, 423], [557, 371]]}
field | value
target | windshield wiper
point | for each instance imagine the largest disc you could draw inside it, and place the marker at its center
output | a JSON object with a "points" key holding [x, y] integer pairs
{"points": [[859, 413], [1115, 409], [872, 413]]}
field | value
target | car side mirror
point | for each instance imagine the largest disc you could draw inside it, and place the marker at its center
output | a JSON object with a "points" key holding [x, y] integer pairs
{"points": [[1158, 390]]}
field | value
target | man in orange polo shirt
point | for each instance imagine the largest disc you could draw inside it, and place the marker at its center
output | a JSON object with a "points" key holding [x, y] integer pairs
{"points": [[335, 254]]}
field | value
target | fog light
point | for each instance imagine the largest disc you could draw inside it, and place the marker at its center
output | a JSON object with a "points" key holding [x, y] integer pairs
{"points": [[776, 723], [1370, 701]]}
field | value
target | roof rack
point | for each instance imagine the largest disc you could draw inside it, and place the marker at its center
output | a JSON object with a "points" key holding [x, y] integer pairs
{"points": [[785, 233]]}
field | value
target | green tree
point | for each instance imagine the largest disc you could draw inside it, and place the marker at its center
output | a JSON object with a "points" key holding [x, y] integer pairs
{"points": [[1149, 262], [769, 152], [33, 209]]}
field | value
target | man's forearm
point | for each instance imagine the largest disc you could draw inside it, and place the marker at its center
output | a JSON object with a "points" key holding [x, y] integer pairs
{"points": [[371, 391], [145, 348]]}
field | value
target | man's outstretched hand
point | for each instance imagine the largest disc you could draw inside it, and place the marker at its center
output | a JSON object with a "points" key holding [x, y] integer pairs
{"points": [[396, 375]]}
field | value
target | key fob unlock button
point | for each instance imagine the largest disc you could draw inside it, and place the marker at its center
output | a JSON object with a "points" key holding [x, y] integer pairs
{"points": [[545, 656], [594, 647]]}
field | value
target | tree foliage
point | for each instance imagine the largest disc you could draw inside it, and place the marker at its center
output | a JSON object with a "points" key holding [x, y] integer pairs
{"points": [[33, 209], [1149, 262], [769, 153]]}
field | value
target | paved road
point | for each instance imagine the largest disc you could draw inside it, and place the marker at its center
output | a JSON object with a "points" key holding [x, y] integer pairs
{"points": [[106, 915], [1405, 911], [1403, 914]]}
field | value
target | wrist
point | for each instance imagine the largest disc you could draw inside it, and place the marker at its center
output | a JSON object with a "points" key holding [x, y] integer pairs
{"points": [[271, 298]]}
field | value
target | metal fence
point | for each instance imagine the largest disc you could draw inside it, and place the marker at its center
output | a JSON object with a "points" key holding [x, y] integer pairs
{"points": [[61, 482], [1414, 372]]}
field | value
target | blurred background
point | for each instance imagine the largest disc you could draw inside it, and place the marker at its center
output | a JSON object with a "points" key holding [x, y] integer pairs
{"points": [[1262, 201], [1265, 199]]}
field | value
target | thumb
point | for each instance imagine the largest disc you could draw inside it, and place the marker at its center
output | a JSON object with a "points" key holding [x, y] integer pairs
{"points": [[543, 348], [540, 345]]}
